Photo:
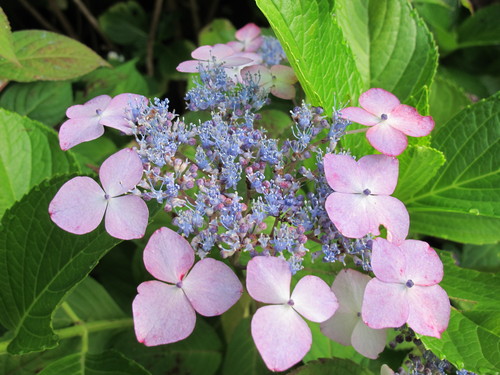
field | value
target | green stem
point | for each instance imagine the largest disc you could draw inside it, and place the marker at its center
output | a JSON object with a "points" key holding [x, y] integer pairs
{"points": [[82, 329]]}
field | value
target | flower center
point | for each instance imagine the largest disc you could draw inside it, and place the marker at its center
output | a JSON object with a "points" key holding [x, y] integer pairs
{"points": [[291, 303], [367, 192], [383, 116], [98, 111], [410, 283], [179, 284], [358, 314], [106, 196]]}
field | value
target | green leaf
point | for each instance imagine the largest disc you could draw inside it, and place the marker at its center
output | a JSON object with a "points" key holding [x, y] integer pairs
{"points": [[39, 264], [417, 166], [331, 366], [446, 100], [316, 49], [200, 353], [481, 29], [392, 46], [125, 23], [463, 202], [472, 340], [29, 153], [220, 30], [47, 56], [6, 44], [242, 356], [481, 257], [107, 363], [92, 154], [42, 101]]}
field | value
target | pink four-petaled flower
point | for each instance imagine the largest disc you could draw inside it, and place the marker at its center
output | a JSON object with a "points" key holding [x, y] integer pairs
{"points": [[249, 39], [390, 121], [281, 335], [80, 204], [405, 288], [165, 311], [346, 326], [86, 121], [278, 79], [361, 200]]}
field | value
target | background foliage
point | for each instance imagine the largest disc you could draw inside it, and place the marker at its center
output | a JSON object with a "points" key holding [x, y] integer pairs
{"points": [[65, 299]]}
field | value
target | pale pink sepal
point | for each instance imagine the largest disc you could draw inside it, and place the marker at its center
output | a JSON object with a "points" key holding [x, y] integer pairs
{"points": [[91, 108], [429, 310], [126, 217], [342, 173], [384, 305], [121, 172], [389, 272], [117, 114], [379, 173], [368, 341], [249, 36], [162, 314], [387, 139], [282, 337], [168, 256], [313, 299], [386, 370], [79, 205], [378, 101], [78, 130], [407, 120], [423, 265], [268, 279], [359, 115], [212, 287]]}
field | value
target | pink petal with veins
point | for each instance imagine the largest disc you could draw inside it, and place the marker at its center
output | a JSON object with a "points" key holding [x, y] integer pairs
{"points": [[168, 256], [162, 314], [388, 261], [268, 279], [282, 337], [340, 326], [313, 299], [386, 139], [91, 108], [117, 114], [77, 130], [384, 305], [248, 32], [378, 101], [393, 215], [349, 287], [78, 206], [121, 172], [423, 265], [126, 217], [379, 173], [429, 310], [212, 287], [407, 120], [359, 115], [342, 173], [190, 66]]}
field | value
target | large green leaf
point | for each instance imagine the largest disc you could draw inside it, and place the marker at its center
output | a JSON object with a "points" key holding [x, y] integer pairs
{"points": [[29, 153], [42, 101], [200, 353], [106, 363], [331, 366], [220, 30], [394, 50], [126, 23], [481, 29], [472, 340], [45, 55], [315, 46], [481, 257], [6, 45], [463, 202], [39, 264], [242, 356]]}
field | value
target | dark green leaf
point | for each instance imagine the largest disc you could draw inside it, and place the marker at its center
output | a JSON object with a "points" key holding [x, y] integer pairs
{"points": [[199, 354], [6, 44], [219, 30], [331, 366], [39, 264], [463, 202], [48, 56], [482, 28], [125, 23], [29, 153], [316, 49], [481, 257], [42, 101], [242, 357]]}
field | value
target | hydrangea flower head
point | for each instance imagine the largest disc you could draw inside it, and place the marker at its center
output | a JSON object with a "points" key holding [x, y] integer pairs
{"points": [[281, 335], [405, 288], [80, 204], [346, 326], [165, 309], [249, 39], [86, 121], [361, 200], [390, 121], [279, 79]]}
